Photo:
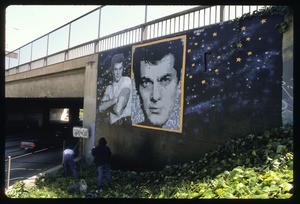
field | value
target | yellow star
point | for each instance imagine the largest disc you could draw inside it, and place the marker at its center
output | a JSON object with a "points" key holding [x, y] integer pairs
{"points": [[214, 34], [193, 64], [208, 48], [216, 70], [248, 39], [243, 28], [189, 50], [203, 81], [249, 53], [238, 59], [239, 44], [218, 57], [196, 43], [263, 21]]}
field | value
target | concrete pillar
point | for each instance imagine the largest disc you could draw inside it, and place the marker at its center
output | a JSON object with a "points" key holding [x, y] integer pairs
{"points": [[89, 106], [287, 75], [73, 116], [46, 118]]}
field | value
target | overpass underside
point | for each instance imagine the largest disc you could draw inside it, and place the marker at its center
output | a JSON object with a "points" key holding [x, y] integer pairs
{"points": [[37, 97], [25, 115]]}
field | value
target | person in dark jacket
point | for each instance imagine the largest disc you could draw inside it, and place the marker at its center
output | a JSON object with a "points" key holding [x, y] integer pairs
{"points": [[102, 158]]}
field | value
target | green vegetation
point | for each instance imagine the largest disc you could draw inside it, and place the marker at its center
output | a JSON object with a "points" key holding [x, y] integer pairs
{"points": [[247, 167]]}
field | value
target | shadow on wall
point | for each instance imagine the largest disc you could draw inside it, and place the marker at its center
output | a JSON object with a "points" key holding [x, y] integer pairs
{"points": [[144, 157]]}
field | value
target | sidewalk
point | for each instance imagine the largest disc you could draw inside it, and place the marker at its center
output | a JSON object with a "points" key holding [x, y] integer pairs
{"points": [[30, 181]]}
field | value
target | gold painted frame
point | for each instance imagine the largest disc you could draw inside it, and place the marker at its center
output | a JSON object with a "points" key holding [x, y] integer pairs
{"points": [[183, 38]]}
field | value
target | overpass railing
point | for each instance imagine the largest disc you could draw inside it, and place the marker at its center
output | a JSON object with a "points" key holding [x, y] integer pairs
{"points": [[62, 44]]}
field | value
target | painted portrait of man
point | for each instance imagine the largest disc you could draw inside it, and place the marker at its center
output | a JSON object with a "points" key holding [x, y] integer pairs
{"points": [[116, 99], [158, 78]]}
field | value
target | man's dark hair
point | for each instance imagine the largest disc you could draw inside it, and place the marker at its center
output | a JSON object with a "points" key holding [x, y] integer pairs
{"points": [[155, 52], [117, 58], [102, 141]]}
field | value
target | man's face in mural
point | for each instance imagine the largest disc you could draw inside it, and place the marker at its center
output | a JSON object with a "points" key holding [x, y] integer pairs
{"points": [[117, 71], [158, 89]]}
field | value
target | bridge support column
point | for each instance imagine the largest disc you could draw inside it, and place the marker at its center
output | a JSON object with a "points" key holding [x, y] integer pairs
{"points": [[73, 116], [90, 100], [46, 118]]}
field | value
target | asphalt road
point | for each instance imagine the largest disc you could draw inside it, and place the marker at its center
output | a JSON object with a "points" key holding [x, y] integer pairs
{"points": [[26, 164]]}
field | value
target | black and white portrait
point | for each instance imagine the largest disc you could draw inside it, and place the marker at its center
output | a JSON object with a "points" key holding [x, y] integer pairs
{"points": [[157, 73], [116, 99]]}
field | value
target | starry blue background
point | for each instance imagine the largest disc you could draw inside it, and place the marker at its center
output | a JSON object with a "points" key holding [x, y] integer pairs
{"points": [[241, 87]]}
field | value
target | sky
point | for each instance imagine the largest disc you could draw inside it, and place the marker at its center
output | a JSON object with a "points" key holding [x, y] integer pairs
{"points": [[25, 23]]}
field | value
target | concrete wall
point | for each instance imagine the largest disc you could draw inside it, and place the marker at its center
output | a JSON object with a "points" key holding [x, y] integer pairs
{"points": [[60, 80], [288, 76]]}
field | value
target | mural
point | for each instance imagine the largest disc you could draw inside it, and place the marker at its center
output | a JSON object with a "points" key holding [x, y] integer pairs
{"points": [[114, 88], [158, 78], [223, 80], [239, 84]]}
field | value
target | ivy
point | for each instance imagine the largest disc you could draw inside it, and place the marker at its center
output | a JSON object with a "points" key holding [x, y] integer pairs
{"points": [[253, 166]]}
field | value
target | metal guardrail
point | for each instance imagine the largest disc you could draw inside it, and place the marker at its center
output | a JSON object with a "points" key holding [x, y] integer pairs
{"points": [[20, 60]]}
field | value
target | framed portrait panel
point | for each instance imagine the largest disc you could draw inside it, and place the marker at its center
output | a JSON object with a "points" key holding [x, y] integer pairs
{"points": [[157, 73]]}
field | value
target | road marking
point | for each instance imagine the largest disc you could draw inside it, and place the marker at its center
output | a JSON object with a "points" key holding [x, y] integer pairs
{"points": [[23, 155], [16, 169]]}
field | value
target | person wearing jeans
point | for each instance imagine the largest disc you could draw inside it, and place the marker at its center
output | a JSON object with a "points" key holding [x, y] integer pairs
{"points": [[68, 162], [102, 158], [101, 169]]}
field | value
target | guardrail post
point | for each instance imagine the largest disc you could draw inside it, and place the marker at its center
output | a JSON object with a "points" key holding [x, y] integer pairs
{"points": [[8, 171], [222, 8], [96, 46], [144, 33], [66, 55]]}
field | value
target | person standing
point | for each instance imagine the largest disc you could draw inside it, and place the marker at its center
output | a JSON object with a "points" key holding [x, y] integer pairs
{"points": [[102, 158], [69, 163]]}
